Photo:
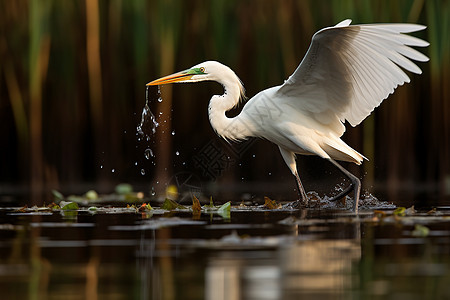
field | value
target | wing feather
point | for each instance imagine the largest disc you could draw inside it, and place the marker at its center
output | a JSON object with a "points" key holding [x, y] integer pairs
{"points": [[350, 69]]}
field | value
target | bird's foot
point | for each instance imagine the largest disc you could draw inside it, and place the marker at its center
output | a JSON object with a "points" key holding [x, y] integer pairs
{"points": [[355, 186], [301, 203], [296, 204], [342, 194]]}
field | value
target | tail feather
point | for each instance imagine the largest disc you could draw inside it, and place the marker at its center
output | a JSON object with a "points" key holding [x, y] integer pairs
{"points": [[339, 150]]}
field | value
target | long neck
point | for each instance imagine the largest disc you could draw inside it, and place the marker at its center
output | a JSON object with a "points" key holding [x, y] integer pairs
{"points": [[228, 128]]}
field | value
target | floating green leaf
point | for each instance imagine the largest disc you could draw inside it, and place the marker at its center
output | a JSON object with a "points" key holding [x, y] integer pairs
{"points": [[67, 205], [53, 206], [225, 210], [399, 211], [225, 207], [169, 204]]}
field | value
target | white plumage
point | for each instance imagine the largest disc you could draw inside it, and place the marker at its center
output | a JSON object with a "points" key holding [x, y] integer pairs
{"points": [[347, 72]]}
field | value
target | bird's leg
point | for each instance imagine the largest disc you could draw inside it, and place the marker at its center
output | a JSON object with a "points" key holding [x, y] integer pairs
{"points": [[289, 158], [302, 202], [355, 186], [301, 190]]}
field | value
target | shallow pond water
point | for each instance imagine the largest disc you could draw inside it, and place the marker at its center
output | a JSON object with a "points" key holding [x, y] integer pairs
{"points": [[255, 253]]}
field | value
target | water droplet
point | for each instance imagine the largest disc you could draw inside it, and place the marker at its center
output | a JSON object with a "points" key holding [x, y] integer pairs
{"points": [[135, 163], [173, 132], [152, 192], [113, 170], [101, 166], [159, 99], [254, 155], [270, 174], [142, 172], [147, 127], [148, 153], [177, 153]]}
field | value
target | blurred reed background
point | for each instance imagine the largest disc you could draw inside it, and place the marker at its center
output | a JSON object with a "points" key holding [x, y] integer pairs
{"points": [[73, 75]]}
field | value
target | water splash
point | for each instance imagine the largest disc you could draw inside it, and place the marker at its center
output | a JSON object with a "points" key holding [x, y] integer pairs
{"points": [[148, 153], [366, 201], [146, 130]]}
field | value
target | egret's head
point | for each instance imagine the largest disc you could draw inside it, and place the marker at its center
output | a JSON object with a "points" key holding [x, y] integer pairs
{"points": [[194, 74], [208, 70]]}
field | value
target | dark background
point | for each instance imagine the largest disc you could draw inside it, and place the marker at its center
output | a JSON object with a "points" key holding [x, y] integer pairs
{"points": [[72, 89]]}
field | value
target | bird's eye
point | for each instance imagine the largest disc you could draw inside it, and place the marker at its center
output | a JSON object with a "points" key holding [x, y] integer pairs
{"points": [[202, 69]]}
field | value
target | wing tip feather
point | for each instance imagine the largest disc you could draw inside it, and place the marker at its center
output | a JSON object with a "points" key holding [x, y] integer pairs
{"points": [[344, 23]]}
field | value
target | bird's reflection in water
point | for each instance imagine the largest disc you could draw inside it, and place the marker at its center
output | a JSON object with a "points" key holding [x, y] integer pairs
{"points": [[305, 268]]}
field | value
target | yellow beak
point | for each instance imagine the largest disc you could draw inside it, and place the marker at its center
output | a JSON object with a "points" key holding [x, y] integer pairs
{"points": [[177, 77]]}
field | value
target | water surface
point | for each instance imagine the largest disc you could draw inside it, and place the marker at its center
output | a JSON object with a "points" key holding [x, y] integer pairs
{"points": [[119, 253]]}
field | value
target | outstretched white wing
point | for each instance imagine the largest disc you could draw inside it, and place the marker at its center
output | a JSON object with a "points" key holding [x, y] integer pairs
{"points": [[350, 69]]}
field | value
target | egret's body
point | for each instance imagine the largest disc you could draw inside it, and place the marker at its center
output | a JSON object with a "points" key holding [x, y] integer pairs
{"points": [[346, 73]]}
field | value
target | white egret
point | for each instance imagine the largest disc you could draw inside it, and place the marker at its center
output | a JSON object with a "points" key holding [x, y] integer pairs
{"points": [[347, 71]]}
